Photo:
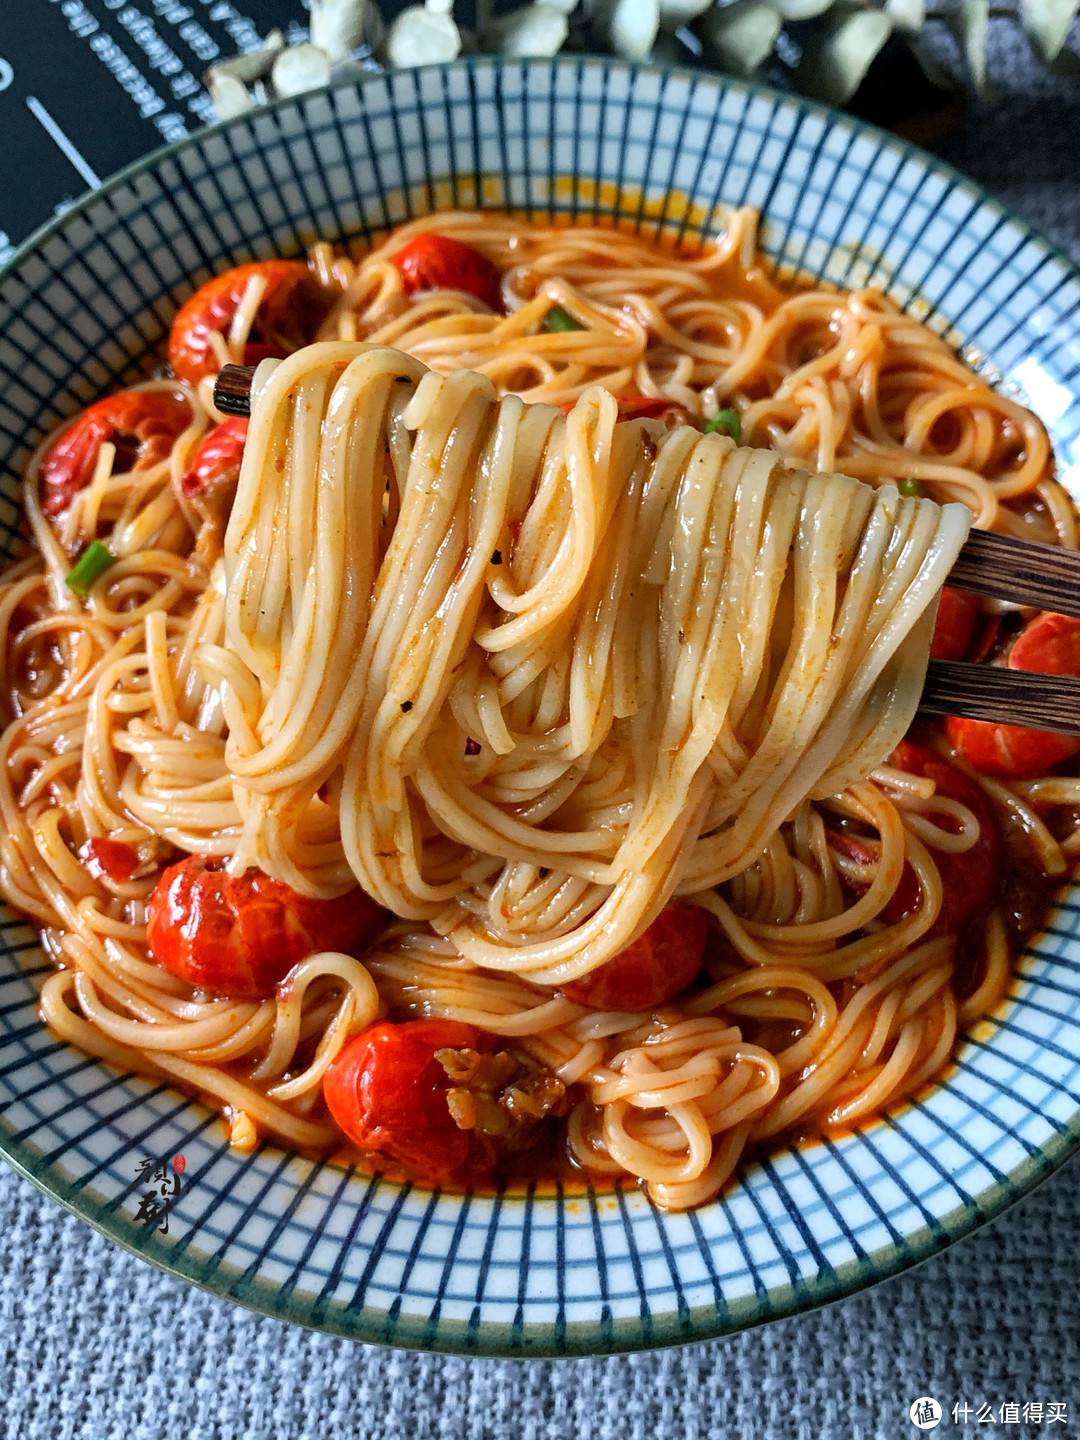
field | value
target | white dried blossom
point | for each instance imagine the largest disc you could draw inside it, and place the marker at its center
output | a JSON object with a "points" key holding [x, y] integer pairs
{"points": [[536, 31], [841, 50], [628, 27], [252, 65], [422, 35], [340, 26], [739, 37], [299, 69], [229, 95], [1046, 23]]}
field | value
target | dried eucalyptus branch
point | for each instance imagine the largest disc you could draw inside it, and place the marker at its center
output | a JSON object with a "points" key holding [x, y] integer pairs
{"points": [[826, 47]]}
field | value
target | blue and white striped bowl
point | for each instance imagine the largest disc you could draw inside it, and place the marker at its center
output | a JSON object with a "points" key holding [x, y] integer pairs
{"points": [[87, 302]]}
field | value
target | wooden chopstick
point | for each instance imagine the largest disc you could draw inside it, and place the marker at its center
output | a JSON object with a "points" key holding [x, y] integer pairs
{"points": [[1022, 571], [232, 389], [1045, 576], [1010, 697]]}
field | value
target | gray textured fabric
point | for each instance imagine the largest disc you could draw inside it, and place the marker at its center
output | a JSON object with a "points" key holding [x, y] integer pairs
{"points": [[1024, 145], [95, 1344]]}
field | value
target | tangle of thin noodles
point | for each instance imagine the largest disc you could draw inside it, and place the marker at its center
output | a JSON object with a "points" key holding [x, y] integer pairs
{"points": [[525, 757]]}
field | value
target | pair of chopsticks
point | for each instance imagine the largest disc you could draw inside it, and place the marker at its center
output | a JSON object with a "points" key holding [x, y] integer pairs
{"points": [[1044, 576]]}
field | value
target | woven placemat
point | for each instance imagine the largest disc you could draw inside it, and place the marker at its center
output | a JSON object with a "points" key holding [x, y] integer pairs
{"points": [[96, 1344]]}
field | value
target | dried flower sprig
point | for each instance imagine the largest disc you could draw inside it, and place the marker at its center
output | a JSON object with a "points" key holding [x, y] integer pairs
{"points": [[824, 47]]}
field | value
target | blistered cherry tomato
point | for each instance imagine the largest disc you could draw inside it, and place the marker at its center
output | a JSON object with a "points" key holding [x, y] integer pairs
{"points": [[1050, 645], [387, 1092], [651, 407], [436, 262], [240, 935], [217, 460], [142, 424], [643, 407], [657, 965], [112, 858], [958, 613], [289, 313], [968, 876]]}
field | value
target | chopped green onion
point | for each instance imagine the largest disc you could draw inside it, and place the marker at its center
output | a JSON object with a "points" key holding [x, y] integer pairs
{"points": [[911, 487], [725, 420], [559, 319], [93, 561]]}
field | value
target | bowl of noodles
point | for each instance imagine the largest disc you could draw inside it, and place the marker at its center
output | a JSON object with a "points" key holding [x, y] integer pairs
{"points": [[476, 876]]}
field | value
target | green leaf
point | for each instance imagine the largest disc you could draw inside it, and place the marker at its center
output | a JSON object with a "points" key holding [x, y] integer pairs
{"points": [[738, 38], [840, 51], [1047, 24], [92, 563], [559, 319], [727, 422], [969, 21]]}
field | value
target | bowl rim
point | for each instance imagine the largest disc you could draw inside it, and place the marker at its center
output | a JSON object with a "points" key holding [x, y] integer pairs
{"points": [[801, 103], [582, 1338]]}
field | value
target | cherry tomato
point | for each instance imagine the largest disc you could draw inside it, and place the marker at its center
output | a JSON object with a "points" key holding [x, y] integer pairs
{"points": [[958, 612], [436, 262], [289, 313], [240, 935], [1050, 645], [217, 460], [643, 407], [968, 877], [142, 424], [651, 407], [387, 1091], [657, 965], [113, 858]]}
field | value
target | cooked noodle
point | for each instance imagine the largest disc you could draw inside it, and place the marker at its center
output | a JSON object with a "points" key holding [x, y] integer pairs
{"points": [[526, 677]]}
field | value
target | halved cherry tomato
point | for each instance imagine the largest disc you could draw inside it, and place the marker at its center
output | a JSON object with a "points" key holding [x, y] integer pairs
{"points": [[436, 262], [958, 612], [660, 962], [217, 460], [113, 858], [289, 313], [1050, 645], [968, 877], [142, 424], [387, 1091], [240, 935]]}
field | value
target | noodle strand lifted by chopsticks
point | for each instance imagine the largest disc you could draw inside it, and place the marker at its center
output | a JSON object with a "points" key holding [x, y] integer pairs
{"points": [[655, 644]]}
